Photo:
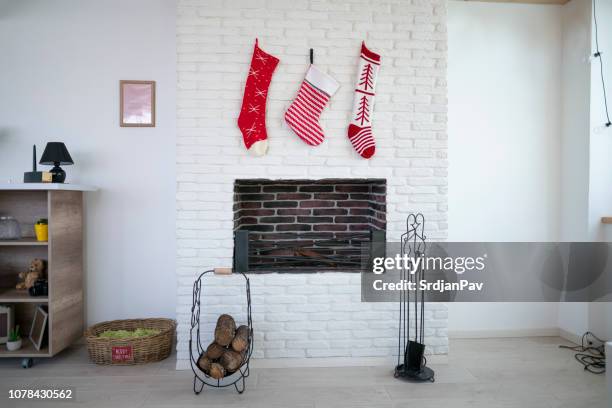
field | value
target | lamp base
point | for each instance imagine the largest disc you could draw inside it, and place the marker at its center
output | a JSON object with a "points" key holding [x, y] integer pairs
{"points": [[58, 174]]}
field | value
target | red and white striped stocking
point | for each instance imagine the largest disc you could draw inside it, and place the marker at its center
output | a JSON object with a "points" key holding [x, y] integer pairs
{"points": [[360, 128], [304, 112]]}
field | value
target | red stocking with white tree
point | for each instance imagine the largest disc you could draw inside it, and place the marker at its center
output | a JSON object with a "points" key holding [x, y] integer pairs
{"points": [[360, 128]]}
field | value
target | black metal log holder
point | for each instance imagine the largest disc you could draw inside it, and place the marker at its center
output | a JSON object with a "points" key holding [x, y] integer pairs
{"points": [[411, 361], [200, 379]]}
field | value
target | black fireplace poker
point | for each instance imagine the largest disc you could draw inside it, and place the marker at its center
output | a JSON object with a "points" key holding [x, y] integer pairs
{"points": [[413, 366]]}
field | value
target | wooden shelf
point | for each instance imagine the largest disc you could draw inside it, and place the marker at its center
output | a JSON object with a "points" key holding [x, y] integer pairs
{"points": [[26, 350], [45, 187], [24, 242], [62, 205], [12, 295], [606, 220]]}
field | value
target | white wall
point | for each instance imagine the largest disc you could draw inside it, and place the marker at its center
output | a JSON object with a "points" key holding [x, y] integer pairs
{"points": [[504, 129], [600, 188], [504, 142], [575, 85], [527, 110], [502, 319], [587, 180], [59, 80]]}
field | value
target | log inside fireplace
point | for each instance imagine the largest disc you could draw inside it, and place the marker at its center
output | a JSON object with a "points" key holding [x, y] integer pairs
{"points": [[307, 225]]}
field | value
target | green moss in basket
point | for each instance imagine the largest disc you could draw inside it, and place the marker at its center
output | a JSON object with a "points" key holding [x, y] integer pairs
{"points": [[42, 221], [128, 334]]}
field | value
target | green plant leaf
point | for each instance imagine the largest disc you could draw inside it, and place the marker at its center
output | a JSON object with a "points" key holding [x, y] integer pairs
{"points": [[14, 334]]}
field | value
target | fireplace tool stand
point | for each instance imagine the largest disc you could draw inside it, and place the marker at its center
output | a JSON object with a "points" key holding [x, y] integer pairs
{"points": [[413, 365], [200, 379]]}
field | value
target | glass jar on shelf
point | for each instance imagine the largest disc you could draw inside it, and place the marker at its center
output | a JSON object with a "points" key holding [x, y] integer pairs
{"points": [[9, 228]]}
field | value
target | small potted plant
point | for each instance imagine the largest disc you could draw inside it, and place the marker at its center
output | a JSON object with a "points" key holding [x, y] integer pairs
{"points": [[14, 339], [42, 229]]}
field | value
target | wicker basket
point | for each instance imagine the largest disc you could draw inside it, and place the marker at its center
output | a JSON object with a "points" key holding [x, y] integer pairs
{"points": [[130, 351]]}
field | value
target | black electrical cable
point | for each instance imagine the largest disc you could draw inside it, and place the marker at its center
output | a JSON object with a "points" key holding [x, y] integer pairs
{"points": [[601, 68], [592, 357]]}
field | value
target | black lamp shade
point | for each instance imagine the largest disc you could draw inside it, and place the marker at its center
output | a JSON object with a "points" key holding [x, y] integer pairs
{"points": [[56, 152]]}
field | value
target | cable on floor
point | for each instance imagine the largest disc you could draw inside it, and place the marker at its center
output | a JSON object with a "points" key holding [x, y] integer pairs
{"points": [[591, 353]]}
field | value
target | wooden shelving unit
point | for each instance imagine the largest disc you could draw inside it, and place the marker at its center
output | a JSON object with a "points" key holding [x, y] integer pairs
{"points": [[62, 205]]}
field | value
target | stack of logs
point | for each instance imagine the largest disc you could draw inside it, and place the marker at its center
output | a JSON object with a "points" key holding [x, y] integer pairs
{"points": [[226, 354]]}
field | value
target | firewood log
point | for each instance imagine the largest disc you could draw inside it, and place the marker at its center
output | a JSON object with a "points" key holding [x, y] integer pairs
{"points": [[231, 360], [225, 330], [214, 351], [204, 362], [241, 339], [307, 253], [217, 371]]}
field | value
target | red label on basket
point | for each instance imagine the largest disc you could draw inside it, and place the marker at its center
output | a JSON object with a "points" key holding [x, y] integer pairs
{"points": [[122, 354]]}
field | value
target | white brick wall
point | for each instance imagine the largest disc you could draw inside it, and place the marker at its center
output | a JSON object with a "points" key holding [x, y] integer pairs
{"points": [[316, 315]]}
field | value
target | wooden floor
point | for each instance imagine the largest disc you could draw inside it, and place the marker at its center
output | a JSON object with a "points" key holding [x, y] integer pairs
{"points": [[488, 373]]}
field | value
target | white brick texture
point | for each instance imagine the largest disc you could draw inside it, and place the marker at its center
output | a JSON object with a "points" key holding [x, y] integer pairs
{"points": [[307, 315]]}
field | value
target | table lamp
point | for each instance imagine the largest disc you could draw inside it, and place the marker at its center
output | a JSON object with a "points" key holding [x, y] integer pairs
{"points": [[55, 154]]}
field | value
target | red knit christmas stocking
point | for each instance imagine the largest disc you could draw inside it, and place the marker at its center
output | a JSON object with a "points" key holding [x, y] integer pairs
{"points": [[360, 129], [304, 112], [252, 119]]}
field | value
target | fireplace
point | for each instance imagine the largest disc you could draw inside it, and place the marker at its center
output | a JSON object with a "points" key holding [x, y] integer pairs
{"points": [[307, 225], [319, 315]]}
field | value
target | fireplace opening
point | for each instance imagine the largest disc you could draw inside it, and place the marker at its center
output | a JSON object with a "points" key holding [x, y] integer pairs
{"points": [[307, 225]]}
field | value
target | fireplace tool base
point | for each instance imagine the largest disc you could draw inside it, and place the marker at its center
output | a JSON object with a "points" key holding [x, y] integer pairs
{"points": [[422, 374]]}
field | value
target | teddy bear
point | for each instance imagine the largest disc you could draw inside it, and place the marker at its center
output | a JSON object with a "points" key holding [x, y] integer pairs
{"points": [[36, 270]]}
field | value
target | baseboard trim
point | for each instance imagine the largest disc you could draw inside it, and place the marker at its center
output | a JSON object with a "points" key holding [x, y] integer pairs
{"points": [[486, 334], [337, 362], [323, 362]]}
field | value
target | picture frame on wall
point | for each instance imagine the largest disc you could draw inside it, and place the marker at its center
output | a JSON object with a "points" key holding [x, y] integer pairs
{"points": [[137, 103], [38, 328]]}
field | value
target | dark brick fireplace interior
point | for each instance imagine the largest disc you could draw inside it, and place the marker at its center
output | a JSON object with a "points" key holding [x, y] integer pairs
{"points": [[307, 225]]}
